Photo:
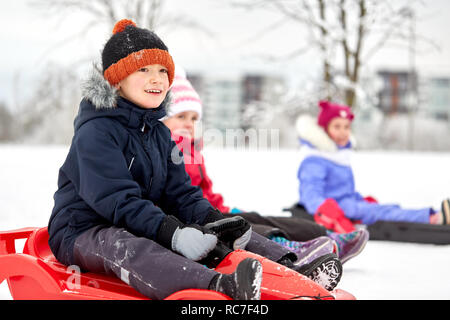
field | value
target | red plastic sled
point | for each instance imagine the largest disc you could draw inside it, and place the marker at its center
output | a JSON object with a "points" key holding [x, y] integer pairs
{"points": [[35, 274]]}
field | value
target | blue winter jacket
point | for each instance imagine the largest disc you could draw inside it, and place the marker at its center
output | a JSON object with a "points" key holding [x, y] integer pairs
{"points": [[119, 171], [325, 172], [323, 177]]}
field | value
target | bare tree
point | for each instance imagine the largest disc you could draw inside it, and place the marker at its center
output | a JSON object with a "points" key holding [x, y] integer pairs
{"points": [[150, 14], [47, 115], [341, 30], [6, 123]]}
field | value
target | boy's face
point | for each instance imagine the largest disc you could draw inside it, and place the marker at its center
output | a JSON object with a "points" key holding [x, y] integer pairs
{"points": [[146, 87], [182, 124], [339, 130]]}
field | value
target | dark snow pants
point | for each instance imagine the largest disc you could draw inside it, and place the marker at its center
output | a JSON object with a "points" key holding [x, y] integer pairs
{"points": [[292, 228], [148, 267]]}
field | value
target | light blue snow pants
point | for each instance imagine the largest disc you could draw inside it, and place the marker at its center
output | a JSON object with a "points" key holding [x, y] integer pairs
{"points": [[370, 213]]}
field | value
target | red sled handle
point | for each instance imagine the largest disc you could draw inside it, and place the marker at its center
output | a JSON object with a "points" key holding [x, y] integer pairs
{"points": [[18, 265], [8, 238]]}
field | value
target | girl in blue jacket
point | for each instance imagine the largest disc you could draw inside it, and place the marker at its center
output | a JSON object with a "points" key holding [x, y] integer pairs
{"points": [[327, 186], [123, 207]]}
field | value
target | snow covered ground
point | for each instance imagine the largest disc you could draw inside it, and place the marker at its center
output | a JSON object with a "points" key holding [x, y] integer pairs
{"points": [[265, 181]]}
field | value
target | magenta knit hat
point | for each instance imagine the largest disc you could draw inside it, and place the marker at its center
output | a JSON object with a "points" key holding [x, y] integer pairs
{"points": [[330, 110]]}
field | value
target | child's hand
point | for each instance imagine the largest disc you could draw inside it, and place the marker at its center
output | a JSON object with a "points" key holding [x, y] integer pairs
{"points": [[235, 232], [193, 242], [332, 217]]}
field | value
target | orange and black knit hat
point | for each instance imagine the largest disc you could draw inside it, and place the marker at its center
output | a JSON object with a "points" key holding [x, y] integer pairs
{"points": [[131, 48]]}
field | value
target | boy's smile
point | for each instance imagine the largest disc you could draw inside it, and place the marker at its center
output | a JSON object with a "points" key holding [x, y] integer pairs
{"points": [[153, 91]]}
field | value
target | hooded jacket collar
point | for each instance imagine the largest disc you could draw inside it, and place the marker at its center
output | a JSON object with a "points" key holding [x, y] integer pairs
{"points": [[312, 135], [103, 100], [315, 142]]}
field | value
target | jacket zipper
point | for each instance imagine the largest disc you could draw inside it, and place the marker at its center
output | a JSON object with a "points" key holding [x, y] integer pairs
{"points": [[151, 179], [132, 159], [131, 163], [150, 185]]}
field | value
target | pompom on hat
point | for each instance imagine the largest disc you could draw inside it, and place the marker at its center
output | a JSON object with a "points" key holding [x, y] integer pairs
{"points": [[122, 24], [184, 97], [330, 110], [131, 48]]}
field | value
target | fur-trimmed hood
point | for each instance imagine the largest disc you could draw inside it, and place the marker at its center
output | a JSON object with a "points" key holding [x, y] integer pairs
{"points": [[100, 99], [316, 142], [98, 91], [310, 132]]}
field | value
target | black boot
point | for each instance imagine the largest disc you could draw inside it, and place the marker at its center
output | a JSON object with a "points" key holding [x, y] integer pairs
{"points": [[325, 270], [243, 284]]}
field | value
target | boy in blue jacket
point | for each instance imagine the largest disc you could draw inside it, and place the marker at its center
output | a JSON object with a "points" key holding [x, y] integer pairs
{"points": [[123, 207], [327, 186]]}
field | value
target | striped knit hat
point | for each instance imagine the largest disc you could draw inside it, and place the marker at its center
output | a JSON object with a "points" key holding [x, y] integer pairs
{"points": [[131, 48], [184, 97]]}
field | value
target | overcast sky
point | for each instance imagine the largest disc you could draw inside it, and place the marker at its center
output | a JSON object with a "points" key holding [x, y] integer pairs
{"points": [[28, 41]]}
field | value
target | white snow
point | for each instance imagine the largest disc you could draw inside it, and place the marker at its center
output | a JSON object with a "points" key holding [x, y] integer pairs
{"points": [[265, 181]]}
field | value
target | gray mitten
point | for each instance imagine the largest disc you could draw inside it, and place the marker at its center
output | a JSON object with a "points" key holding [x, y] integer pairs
{"points": [[191, 240]]}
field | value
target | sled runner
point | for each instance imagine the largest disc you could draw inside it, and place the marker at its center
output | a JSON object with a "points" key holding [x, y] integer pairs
{"points": [[410, 232], [36, 274], [394, 231]]}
